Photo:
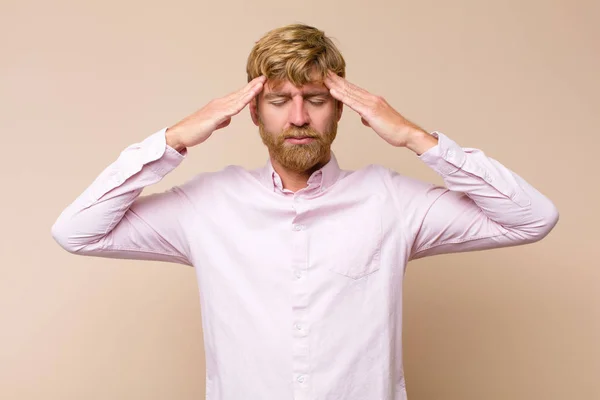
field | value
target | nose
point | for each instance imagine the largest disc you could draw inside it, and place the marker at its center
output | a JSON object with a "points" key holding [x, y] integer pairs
{"points": [[298, 113]]}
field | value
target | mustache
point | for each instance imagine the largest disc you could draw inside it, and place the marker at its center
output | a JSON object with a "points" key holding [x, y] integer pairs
{"points": [[298, 133]]}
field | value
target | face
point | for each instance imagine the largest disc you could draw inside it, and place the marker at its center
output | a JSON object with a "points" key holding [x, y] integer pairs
{"points": [[297, 124]]}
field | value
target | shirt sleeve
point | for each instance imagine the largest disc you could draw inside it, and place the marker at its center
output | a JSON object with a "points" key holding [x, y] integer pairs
{"points": [[483, 205], [110, 218]]}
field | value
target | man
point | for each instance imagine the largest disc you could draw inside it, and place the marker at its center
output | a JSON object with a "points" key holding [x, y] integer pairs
{"points": [[300, 264]]}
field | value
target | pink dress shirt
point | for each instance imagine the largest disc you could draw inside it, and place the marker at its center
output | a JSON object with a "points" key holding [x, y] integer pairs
{"points": [[301, 293]]}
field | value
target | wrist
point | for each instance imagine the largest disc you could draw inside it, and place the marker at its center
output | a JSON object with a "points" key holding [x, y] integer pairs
{"points": [[420, 141], [173, 140]]}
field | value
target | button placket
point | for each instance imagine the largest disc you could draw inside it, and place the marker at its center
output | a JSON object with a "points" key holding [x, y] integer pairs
{"points": [[300, 301]]}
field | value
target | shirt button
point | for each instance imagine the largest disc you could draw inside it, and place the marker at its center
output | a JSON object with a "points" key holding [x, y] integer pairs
{"points": [[298, 327], [301, 378], [298, 274], [298, 227]]}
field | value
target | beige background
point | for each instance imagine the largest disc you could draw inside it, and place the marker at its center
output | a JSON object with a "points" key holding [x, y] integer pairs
{"points": [[79, 81]]}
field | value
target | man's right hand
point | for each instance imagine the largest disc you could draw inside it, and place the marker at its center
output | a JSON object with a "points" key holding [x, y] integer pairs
{"points": [[197, 127]]}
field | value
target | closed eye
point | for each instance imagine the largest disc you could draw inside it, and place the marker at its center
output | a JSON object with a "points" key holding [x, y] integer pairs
{"points": [[315, 102]]}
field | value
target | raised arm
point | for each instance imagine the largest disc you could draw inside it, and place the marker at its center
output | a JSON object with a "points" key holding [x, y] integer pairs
{"points": [[111, 219], [483, 205]]}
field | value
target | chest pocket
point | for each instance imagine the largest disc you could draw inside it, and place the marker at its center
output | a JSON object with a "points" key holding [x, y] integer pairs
{"points": [[354, 240]]}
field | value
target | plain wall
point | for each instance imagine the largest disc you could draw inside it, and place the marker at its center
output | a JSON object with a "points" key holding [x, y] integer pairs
{"points": [[80, 81]]}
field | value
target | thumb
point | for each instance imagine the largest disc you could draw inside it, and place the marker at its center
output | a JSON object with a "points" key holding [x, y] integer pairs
{"points": [[224, 123]]}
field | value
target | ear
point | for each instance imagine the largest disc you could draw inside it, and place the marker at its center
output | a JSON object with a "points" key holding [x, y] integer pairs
{"points": [[253, 106], [339, 109]]}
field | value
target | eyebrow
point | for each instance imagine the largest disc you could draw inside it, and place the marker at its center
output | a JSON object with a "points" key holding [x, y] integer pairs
{"points": [[273, 95]]}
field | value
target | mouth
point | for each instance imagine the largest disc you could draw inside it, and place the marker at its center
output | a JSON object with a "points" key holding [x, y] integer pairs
{"points": [[299, 140]]}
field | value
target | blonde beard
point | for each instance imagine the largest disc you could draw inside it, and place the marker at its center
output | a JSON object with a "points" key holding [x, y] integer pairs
{"points": [[298, 157]]}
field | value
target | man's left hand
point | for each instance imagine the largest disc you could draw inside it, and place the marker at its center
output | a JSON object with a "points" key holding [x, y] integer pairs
{"points": [[376, 113]]}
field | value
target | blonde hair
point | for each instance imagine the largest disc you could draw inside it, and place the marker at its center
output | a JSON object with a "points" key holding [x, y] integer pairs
{"points": [[293, 53]]}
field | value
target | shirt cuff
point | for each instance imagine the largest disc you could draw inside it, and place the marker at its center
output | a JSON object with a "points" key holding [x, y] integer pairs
{"points": [[152, 153], [446, 157]]}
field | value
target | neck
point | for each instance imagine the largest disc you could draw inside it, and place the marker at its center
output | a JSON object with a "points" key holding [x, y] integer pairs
{"points": [[296, 180]]}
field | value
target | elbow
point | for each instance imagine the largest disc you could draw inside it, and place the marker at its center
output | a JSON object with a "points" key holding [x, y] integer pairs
{"points": [[547, 221], [60, 234]]}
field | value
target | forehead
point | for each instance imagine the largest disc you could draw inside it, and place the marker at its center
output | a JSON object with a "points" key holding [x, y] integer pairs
{"points": [[286, 87]]}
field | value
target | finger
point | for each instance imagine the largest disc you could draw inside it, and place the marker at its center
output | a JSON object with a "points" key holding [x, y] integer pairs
{"points": [[351, 102], [258, 81], [237, 105], [224, 124], [331, 80], [249, 87], [356, 91], [335, 80], [349, 97], [348, 89], [252, 91]]}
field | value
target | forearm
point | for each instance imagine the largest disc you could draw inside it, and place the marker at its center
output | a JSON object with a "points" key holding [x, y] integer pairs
{"points": [[499, 194], [96, 211]]}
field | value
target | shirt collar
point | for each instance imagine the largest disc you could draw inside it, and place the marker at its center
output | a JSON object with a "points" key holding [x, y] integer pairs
{"points": [[320, 180]]}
